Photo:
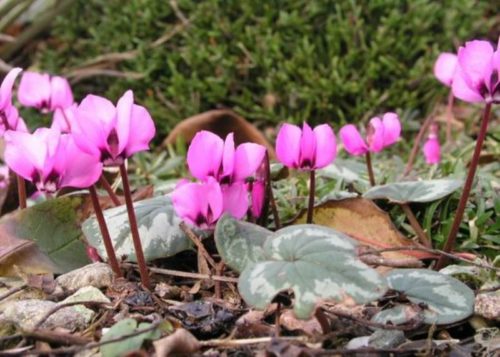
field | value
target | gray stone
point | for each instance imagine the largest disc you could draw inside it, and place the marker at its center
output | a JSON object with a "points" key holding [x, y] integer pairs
{"points": [[27, 313], [98, 275]]}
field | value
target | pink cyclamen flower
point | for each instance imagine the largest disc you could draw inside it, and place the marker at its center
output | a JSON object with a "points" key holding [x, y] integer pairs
{"points": [[444, 68], [210, 156], [50, 160], [9, 116], [44, 92], [199, 203], [380, 134], [257, 191], [112, 133], [306, 149], [477, 77], [432, 148]]}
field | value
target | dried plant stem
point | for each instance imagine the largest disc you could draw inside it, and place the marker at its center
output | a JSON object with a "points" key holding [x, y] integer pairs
{"points": [[141, 262], [186, 274], [106, 238], [197, 242], [422, 236], [416, 144], [312, 188], [449, 116], [370, 168], [21, 191], [452, 236], [112, 195], [269, 193]]}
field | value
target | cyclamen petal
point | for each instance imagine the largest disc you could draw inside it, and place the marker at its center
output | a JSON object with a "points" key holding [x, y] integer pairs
{"points": [[375, 135], [257, 193], [199, 163], [432, 150], [235, 198], [461, 89], [288, 143], [392, 128], [247, 159], [44, 92], [326, 145], [475, 59], [228, 157], [6, 88], [61, 95], [352, 140], [199, 204], [308, 151], [444, 68]]}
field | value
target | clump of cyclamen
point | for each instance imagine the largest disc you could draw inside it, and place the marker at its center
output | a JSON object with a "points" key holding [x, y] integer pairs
{"points": [[223, 171]]}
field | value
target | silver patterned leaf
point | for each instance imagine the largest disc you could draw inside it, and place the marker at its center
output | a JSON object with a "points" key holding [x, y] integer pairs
{"points": [[239, 243], [414, 191], [158, 225], [316, 263], [445, 299]]}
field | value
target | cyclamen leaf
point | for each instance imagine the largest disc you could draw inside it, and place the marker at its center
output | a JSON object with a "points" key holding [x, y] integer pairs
{"points": [[414, 191], [239, 243], [446, 299], [316, 263], [158, 228]]}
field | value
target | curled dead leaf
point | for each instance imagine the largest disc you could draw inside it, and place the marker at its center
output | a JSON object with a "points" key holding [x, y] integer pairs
{"points": [[180, 342], [364, 221], [220, 122]]}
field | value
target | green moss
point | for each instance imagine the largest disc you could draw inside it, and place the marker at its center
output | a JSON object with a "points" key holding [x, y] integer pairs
{"points": [[295, 60]]}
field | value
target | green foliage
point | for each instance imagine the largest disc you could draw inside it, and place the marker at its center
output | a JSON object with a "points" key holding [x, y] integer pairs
{"points": [[294, 60]]}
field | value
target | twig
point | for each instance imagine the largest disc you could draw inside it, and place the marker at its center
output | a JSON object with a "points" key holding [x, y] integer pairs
{"points": [[377, 260], [13, 291], [21, 191], [422, 236], [109, 190], [80, 74], [62, 338], [248, 341], [219, 270], [197, 242], [432, 251], [180, 15], [416, 144], [185, 274], [63, 305]]}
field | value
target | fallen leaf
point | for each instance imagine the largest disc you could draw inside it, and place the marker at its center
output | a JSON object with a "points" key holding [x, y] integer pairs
{"points": [[54, 226], [180, 342], [220, 122], [364, 221], [310, 327]]}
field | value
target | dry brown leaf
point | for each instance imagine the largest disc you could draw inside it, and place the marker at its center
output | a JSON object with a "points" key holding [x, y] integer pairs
{"points": [[220, 122], [181, 342], [310, 327], [20, 256], [364, 221]]}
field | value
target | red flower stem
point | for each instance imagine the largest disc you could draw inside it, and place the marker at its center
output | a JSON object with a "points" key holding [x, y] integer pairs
{"points": [[416, 144], [21, 191], [452, 236], [112, 195], [141, 262], [269, 193], [449, 116], [370, 168], [106, 238], [312, 188], [422, 236]]}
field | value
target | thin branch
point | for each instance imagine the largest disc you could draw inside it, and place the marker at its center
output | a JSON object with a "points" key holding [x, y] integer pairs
{"points": [[416, 144], [185, 274], [422, 236], [197, 242], [376, 260]]}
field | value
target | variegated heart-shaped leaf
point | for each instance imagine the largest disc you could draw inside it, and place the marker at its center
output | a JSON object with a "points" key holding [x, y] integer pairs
{"points": [[443, 299], [239, 243], [316, 263], [414, 191], [158, 224]]}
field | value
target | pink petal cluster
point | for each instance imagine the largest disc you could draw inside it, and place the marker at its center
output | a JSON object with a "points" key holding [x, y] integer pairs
{"points": [[306, 148], [9, 116], [477, 75], [379, 134], [432, 148], [50, 160], [223, 170], [111, 133], [444, 68], [44, 92]]}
